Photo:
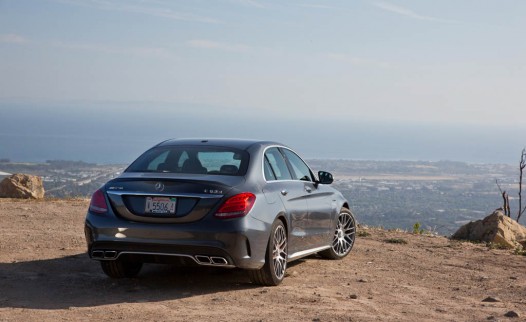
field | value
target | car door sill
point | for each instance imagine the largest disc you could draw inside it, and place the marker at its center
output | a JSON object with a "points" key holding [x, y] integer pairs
{"points": [[307, 252]]}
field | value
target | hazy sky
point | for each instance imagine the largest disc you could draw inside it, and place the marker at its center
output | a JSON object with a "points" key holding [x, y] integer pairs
{"points": [[447, 61]]}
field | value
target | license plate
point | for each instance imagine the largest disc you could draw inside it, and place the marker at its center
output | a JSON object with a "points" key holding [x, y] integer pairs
{"points": [[160, 205]]}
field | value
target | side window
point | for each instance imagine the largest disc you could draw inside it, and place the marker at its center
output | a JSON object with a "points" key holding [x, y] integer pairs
{"points": [[269, 174], [300, 170], [277, 164]]}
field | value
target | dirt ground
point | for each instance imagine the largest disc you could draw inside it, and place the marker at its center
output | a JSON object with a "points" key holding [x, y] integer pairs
{"points": [[45, 275]]}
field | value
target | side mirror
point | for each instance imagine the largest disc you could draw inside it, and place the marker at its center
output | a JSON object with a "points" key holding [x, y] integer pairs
{"points": [[325, 177]]}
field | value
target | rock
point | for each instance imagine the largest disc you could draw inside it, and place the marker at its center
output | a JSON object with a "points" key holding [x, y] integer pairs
{"points": [[491, 299], [22, 186], [353, 296], [495, 228], [511, 314]]}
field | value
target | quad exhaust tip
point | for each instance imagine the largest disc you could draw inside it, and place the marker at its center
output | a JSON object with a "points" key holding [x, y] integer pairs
{"points": [[199, 259], [101, 254], [210, 260], [218, 260]]}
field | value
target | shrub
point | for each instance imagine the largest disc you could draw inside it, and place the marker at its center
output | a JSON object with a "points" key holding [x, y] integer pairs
{"points": [[417, 230], [363, 233]]}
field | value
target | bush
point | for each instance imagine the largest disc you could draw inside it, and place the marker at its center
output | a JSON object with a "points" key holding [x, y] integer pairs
{"points": [[363, 233], [417, 230]]}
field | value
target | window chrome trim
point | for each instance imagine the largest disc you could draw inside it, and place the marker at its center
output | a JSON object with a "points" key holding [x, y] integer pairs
{"points": [[284, 157]]}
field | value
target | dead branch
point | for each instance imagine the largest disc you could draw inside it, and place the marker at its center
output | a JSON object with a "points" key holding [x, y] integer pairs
{"points": [[498, 185], [522, 165], [506, 200]]}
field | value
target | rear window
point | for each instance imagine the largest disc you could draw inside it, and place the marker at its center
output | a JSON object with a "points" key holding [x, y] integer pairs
{"points": [[192, 159]]}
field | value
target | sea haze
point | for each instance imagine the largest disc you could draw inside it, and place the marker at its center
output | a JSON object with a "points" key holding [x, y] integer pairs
{"points": [[119, 132]]}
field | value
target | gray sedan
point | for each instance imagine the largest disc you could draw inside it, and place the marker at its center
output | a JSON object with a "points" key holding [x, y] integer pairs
{"points": [[254, 205]]}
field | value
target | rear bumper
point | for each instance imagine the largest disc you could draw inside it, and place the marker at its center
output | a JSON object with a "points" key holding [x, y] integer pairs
{"points": [[239, 242], [104, 251]]}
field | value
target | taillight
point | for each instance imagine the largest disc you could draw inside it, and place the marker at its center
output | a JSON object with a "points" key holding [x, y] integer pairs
{"points": [[236, 206], [98, 202]]}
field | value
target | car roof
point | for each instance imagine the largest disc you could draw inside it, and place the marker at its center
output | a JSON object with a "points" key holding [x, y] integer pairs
{"points": [[241, 144]]}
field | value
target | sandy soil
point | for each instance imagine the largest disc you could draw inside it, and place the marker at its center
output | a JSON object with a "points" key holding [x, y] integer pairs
{"points": [[45, 275]]}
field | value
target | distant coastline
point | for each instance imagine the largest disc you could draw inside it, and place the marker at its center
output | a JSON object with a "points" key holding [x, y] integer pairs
{"points": [[107, 133]]}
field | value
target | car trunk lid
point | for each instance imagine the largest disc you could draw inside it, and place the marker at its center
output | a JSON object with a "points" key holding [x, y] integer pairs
{"points": [[165, 198]]}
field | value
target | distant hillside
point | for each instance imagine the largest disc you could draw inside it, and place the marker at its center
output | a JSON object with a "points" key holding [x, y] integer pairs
{"points": [[66, 178], [441, 196]]}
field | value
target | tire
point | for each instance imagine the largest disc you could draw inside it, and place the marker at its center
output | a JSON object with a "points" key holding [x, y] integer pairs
{"points": [[121, 268], [343, 238], [273, 271]]}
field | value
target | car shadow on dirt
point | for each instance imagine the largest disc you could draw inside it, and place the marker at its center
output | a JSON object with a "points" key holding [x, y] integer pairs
{"points": [[77, 281]]}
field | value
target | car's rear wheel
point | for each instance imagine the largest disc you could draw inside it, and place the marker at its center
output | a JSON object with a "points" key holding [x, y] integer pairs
{"points": [[343, 238], [120, 268], [273, 271]]}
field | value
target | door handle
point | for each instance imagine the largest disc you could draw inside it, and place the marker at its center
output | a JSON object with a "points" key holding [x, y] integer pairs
{"points": [[284, 192], [308, 189]]}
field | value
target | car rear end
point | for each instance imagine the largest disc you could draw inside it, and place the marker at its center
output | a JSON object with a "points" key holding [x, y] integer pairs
{"points": [[164, 210]]}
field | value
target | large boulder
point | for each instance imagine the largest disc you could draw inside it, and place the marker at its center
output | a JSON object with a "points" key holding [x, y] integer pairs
{"points": [[22, 186], [495, 228]]}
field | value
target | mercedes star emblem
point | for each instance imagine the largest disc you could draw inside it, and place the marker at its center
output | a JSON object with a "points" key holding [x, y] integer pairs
{"points": [[159, 186]]}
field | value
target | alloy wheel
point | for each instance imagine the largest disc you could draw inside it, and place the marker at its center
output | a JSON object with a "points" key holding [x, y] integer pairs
{"points": [[279, 253], [344, 235]]}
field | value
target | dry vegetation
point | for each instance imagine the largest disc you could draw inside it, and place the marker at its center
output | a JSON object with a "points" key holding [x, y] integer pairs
{"points": [[45, 275]]}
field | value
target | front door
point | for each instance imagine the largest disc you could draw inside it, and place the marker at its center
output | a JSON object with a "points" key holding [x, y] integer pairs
{"points": [[319, 200]]}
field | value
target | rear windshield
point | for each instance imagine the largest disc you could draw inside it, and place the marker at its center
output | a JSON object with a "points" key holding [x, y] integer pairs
{"points": [[192, 159]]}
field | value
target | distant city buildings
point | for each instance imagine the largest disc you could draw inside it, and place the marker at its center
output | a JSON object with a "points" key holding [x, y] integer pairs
{"points": [[393, 194]]}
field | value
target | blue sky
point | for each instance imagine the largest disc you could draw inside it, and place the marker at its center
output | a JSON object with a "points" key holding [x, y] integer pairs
{"points": [[442, 63], [445, 61]]}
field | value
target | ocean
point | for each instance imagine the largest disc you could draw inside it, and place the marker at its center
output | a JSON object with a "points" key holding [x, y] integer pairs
{"points": [[108, 133]]}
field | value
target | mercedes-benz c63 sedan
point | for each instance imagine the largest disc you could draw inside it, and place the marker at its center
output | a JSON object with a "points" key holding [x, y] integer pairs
{"points": [[254, 205]]}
